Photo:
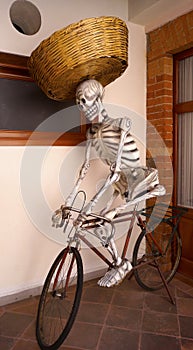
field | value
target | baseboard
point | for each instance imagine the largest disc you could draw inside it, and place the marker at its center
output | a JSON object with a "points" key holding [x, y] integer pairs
{"points": [[35, 291], [21, 295]]}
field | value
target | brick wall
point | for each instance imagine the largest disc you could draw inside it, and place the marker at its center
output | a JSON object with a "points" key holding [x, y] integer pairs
{"points": [[162, 43]]}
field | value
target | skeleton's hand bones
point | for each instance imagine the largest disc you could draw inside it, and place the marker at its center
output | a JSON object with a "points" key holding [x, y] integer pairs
{"points": [[115, 174], [59, 216]]}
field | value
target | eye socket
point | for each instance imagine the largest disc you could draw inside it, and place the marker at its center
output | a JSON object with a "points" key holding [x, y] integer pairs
{"points": [[83, 100]]}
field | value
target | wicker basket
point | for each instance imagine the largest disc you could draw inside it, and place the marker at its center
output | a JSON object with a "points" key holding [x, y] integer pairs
{"points": [[94, 48]]}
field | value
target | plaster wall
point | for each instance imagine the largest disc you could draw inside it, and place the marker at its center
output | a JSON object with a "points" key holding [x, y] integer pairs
{"points": [[26, 249]]}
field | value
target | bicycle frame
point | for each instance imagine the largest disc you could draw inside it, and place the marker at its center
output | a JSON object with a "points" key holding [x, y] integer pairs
{"points": [[92, 221], [96, 220], [149, 259]]}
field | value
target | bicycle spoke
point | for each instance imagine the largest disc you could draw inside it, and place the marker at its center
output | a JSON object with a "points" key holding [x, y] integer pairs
{"points": [[59, 300], [161, 247]]}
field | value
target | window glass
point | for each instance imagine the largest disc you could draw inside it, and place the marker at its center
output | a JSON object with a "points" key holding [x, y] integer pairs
{"points": [[185, 92], [185, 160]]}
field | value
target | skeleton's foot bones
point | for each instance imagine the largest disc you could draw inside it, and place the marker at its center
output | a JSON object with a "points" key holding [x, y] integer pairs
{"points": [[115, 275]]}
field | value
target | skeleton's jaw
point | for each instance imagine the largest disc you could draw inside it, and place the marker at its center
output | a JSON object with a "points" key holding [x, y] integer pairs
{"points": [[91, 113], [96, 110]]}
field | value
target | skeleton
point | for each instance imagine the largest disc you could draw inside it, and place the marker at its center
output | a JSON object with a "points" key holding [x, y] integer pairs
{"points": [[117, 148]]}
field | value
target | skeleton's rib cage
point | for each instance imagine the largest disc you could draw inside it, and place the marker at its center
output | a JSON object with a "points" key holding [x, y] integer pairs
{"points": [[106, 138]]}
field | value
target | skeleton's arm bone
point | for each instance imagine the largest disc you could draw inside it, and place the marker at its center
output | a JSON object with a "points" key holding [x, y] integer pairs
{"points": [[82, 173], [113, 177]]}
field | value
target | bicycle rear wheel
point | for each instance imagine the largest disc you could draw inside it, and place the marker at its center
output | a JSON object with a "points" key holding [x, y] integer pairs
{"points": [[162, 247], [60, 299]]}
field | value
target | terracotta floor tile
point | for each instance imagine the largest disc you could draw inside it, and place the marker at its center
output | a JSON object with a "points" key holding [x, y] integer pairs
{"points": [[159, 342], [83, 335], [127, 285], [186, 326], [117, 339], [131, 299], [29, 332], [13, 325], [160, 323], [181, 294], [21, 303], [98, 294], [91, 283], [26, 345], [123, 317], [92, 312], [1, 310], [181, 284], [6, 343], [29, 308], [159, 304], [63, 347], [185, 306], [162, 292], [188, 282], [187, 344]]}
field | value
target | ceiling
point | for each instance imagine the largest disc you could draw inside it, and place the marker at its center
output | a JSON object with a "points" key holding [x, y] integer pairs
{"points": [[154, 13]]}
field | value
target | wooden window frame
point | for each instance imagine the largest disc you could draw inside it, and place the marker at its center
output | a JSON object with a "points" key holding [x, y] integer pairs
{"points": [[178, 108], [14, 66]]}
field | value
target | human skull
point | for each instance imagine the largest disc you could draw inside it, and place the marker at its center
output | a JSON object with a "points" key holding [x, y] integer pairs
{"points": [[88, 98]]}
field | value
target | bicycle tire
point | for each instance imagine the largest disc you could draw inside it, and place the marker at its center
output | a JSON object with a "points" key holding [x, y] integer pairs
{"points": [[146, 251], [60, 299]]}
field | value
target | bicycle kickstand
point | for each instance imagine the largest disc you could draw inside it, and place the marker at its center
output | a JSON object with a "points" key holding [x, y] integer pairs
{"points": [[165, 283]]}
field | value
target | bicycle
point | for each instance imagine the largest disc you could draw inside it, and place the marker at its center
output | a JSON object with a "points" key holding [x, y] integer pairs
{"points": [[155, 260]]}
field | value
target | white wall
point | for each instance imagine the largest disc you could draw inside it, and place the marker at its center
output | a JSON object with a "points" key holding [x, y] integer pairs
{"points": [[26, 252]]}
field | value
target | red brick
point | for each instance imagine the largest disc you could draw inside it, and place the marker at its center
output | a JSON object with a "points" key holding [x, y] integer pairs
{"points": [[165, 128], [152, 80], [163, 92], [174, 36], [163, 77], [150, 94]]}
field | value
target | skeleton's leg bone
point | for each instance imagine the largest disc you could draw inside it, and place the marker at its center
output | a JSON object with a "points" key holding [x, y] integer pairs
{"points": [[159, 190], [113, 251], [115, 275], [147, 188], [145, 181], [110, 202]]}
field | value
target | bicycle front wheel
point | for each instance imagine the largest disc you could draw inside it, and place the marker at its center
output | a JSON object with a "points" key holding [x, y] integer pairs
{"points": [[159, 248], [60, 299]]}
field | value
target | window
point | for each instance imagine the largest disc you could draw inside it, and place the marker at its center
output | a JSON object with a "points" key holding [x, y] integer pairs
{"points": [[183, 121], [28, 116]]}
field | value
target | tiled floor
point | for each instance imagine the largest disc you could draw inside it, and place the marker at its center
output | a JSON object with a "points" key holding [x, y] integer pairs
{"points": [[120, 318]]}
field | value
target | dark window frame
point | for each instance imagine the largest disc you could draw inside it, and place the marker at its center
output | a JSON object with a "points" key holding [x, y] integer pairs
{"points": [[178, 108], [14, 66]]}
